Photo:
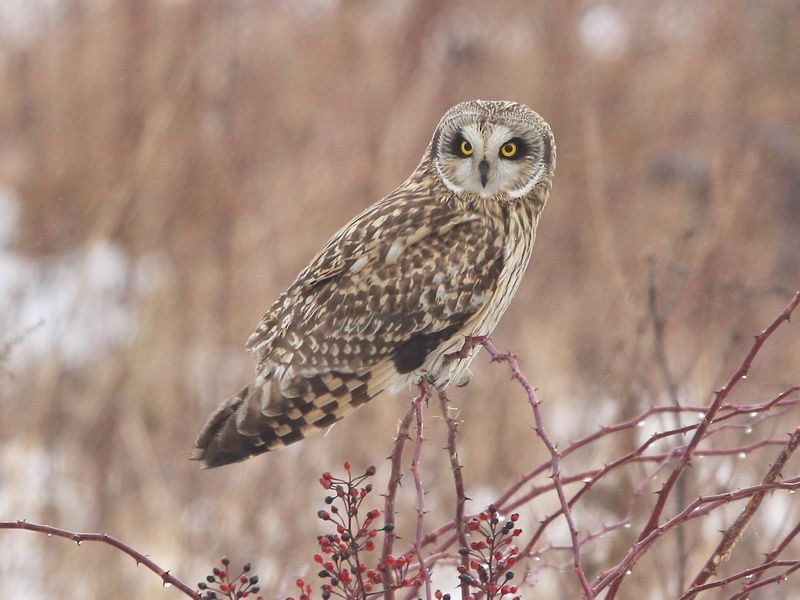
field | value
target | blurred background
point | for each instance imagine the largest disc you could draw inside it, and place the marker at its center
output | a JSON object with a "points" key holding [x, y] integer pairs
{"points": [[168, 166]]}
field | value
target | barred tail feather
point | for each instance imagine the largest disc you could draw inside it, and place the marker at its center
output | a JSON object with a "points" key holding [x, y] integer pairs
{"points": [[250, 424]]}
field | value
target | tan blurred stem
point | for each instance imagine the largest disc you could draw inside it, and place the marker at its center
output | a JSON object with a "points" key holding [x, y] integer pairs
{"points": [[659, 322]]}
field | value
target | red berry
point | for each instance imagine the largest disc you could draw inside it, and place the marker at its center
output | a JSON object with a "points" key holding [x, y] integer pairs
{"points": [[515, 517], [347, 466]]}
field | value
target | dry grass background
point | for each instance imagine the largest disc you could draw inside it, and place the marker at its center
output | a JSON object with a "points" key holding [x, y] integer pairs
{"points": [[217, 144]]}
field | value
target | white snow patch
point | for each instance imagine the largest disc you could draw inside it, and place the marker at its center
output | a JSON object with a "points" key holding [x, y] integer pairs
{"points": [[23, 20], [604, 31], [74, 306]]}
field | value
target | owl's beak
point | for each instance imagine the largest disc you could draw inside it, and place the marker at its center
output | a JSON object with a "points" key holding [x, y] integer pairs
{"points": [[483, 169]]}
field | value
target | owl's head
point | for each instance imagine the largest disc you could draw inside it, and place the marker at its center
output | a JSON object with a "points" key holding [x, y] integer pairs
{"points": [[493, 148]]}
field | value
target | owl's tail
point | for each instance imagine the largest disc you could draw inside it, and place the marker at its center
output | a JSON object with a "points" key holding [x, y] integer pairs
{"points": [[266, 416]]}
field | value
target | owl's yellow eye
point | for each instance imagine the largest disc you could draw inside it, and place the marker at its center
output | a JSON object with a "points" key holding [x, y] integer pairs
{"points": [[509, 150], [466, 148]]}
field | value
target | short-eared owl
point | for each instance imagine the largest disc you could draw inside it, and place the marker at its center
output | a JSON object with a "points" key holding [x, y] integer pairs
{"points": [[399, 287]]}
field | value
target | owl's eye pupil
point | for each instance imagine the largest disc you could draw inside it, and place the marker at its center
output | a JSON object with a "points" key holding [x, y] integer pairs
{"points": [[466, 148], [509, 150]]}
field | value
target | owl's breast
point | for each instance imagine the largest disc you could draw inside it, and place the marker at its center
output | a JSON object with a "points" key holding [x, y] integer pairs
{"points": [[517, 236]]}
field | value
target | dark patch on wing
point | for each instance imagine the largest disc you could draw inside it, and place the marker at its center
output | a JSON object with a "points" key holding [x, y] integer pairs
{"points": [[411, 354]]}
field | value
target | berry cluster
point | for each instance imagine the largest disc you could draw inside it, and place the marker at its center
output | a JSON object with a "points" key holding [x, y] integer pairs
{"points": [[341, 555], [219, 585], [491, 557]]}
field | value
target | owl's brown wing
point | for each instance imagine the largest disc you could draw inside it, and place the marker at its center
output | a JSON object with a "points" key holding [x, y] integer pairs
{"points": [[388, 289], [390, 281]]}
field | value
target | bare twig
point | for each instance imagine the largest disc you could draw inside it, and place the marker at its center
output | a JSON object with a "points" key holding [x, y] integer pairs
{"points": [[745, 593], [736, 530], [415, 470], [750, 575], [458, 480], [395, 476], [700, 507], [166, 577], [701, 430], [555, 458]]}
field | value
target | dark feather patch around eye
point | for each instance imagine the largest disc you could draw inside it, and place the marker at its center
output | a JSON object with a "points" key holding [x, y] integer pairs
{"points": [[523, 148], [455, 144]]}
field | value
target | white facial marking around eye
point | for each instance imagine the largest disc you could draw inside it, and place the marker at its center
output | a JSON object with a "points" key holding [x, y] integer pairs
{"points": [[499, 135], [525, 190], [472, 135]]}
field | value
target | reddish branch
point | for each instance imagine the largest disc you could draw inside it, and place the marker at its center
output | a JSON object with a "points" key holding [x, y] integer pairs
{"points": [[166, 577], [700, 507], [395, 476], [458, 480], [423, 570], [503, 501], [734, 533], [555, 458], [715, 418], [768, 560], [700, 433], [750, 574]]}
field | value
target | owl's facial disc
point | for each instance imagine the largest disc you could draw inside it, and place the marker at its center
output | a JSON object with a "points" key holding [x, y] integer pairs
{"points": [[490, 157]]}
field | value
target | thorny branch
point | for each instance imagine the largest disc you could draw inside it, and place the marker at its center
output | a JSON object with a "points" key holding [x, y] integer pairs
{"points": [[555, 457], [167, 578], [718, 417], [615, 578], [415, 470], [458, 480], [768, 560], [734, 533], [395, 476]]}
